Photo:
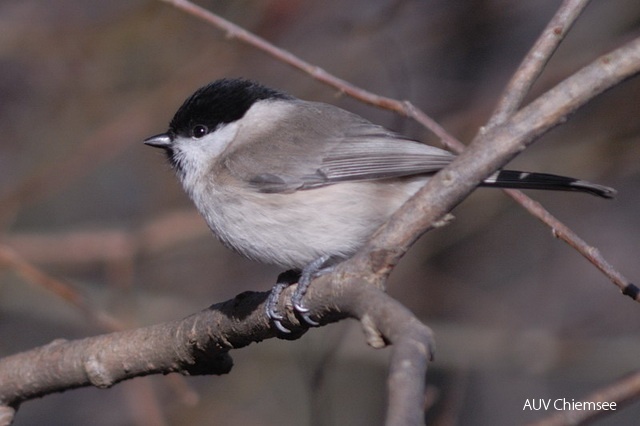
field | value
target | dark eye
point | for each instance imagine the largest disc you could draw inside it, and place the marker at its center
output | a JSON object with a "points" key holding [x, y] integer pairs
{"points": [[199, 130]]}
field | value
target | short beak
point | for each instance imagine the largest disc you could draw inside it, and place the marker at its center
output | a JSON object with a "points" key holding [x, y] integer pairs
{"points": [[163, 140]]}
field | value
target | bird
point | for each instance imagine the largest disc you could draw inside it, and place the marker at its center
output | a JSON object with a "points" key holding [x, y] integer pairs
{"points": [[301, 184]]}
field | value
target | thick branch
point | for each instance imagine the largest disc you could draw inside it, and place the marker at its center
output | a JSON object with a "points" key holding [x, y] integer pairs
{"points": [[102, 361], [384, 321], [200, 344]]}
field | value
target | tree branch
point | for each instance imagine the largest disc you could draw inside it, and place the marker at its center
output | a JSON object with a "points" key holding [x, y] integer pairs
{"points": [[199, 344], [591, 253], [29, 272], [621, 392], [535, 61]]}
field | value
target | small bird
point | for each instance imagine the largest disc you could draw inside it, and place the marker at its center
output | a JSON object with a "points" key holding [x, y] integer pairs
{"points": [[300, 184]]}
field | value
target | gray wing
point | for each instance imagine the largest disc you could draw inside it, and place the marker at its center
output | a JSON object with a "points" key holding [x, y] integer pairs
{"points": [[365, 155], [340, 146]]}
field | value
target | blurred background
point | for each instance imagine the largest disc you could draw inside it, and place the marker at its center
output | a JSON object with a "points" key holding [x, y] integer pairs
{"points": [[517, 314]]}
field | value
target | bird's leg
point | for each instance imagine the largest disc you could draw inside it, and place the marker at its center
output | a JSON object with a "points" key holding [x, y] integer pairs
{"points": [[285, 279], [304, 278], [312, 270]]}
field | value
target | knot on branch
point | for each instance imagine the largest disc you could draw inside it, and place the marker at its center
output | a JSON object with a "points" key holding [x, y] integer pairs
{"points": [[6, 415], [98, 373], [374, 336]]}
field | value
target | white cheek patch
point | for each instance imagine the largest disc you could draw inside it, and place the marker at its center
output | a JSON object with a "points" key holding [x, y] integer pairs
{"points": [[195, 156], [210, 145]]}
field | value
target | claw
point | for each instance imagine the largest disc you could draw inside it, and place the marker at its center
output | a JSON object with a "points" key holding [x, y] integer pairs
{"points": [[272, 301], [281, 328], [300, 308], [311, 271], [308, 319], [284, 280]]}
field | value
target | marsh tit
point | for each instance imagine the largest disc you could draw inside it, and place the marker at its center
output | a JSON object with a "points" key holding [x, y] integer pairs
{"points": [[301, 184]]}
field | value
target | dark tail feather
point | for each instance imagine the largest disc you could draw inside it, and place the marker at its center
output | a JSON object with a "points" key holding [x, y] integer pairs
{"points": [[525, 180]]}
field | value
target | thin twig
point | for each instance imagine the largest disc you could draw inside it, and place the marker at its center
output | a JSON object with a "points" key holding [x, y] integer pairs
{"points": [[106, 245], [234, 31], [535, 61], [591, 253], [30, 273], [106, 142]]}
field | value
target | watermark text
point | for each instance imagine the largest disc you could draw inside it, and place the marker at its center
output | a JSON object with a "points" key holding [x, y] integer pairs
{"points": [[564, 404]]}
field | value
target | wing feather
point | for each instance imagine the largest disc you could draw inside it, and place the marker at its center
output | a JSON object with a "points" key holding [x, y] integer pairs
{"points": [[339, 146]]}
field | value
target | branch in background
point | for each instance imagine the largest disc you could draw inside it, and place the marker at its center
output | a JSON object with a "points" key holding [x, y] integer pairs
{"points": [[535, 61], [9, 258], [621, 392], [105, 143], [591, 253], [234, 31], [109, 245]]}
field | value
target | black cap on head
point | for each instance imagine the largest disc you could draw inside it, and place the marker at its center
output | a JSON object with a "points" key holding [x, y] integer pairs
{"points": [[220, 102]]}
